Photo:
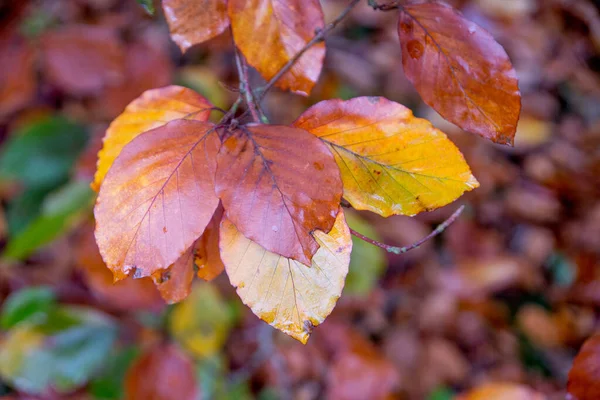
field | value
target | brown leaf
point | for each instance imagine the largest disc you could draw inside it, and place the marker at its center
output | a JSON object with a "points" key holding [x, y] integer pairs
{"points": [[161, 373], [270, 32], [194, 22], [583, 381], [18, 80], [207, 257], [460, 70], [278, 184], [157, 198], [175, 284], [83, 59]]}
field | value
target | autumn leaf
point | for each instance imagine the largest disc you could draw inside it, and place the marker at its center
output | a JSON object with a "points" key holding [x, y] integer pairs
{"points": [[286, 294], [391, 162], [207, 257], [278, 184], [175, 284], [460, 70], [126, 295], [583, 381], [83, 59], [18, 80], [162, 373], [194, 22], [152, 109], [157, 198], [269, 33], [502, 391]]}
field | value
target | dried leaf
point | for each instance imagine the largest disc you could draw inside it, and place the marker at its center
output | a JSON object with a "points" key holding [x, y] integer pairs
{"points": [[157, 198], [18, 80], [391, 162], [288, 295], [82, 59], [193, 22], [583, 381], [162, 373], [278, 184], [207, 257], [460, 70], [175, 284], [152, 109], [270, 32]]}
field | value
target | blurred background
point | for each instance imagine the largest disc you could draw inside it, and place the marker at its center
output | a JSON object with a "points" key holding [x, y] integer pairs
{"points": [[506, 295]]}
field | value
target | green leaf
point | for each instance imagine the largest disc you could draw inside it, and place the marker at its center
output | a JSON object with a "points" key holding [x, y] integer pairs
{"points": [[60, 210], [367, 262], [41, 154], [148, 5], [109, 384], [24, 209], [28, 305], [441, 393]]}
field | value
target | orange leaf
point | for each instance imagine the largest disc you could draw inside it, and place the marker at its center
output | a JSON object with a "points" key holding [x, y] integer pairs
{"points": [[162, 373], [152, 109], [175, 284], [157, 198], [390, 161], [194, 22], [502, 391], [583, 381], [288, 295], [460, 70], [208, 257], [269, 33], [82, 59], [278, 184], [18, 80]]}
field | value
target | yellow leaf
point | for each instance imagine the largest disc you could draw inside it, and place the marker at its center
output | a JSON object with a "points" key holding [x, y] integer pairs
{"points": [[19, 343], [288, 295], [501, 391], [201, 322], [152, 109], [391, 162]]}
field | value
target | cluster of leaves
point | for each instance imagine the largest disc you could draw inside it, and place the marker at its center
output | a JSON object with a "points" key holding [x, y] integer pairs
{"points": [[264, 200]]}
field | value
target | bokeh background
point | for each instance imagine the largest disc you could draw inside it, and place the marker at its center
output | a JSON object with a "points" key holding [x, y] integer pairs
{"points": [[507, 294]]}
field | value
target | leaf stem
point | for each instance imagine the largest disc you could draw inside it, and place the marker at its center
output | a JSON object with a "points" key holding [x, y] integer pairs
{"points": [[245, 88], [401, 250], [319, 36]]}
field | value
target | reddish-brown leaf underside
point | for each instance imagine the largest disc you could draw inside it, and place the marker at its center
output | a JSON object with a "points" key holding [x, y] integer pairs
{"points": [[161, 373], [270, 32], [584, 382], [193, 22], [207, 257], [157, 198], [82, 59], [460, 70], [175, 284], [278, 184]]}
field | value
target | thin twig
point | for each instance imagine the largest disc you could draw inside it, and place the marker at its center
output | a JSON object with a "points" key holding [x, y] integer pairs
{"points": [[385, 7], [245, 88], [401, 250], [320, 36]]}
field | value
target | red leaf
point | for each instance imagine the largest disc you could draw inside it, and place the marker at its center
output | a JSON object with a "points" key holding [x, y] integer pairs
{"points": [[460, 70], [583, 381], [157, 198], [18, 80], [175, 284], [82, 59], [162, 373], [278, 184]]}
